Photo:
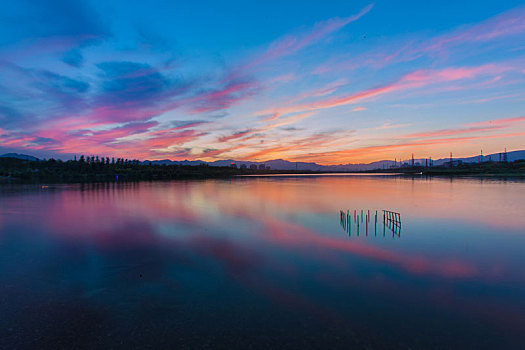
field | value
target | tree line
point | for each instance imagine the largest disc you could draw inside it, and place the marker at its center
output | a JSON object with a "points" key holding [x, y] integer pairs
{"points": [[97, 168], [106, 160]]}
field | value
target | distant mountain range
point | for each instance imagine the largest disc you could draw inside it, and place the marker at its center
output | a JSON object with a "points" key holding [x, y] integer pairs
{"points": [[281, 164], [18, 156]]}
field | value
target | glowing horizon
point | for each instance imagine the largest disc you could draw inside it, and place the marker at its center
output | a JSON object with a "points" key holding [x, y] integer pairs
{"points": [[345, 83]]}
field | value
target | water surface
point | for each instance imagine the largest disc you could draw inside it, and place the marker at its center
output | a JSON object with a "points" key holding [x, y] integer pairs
{"points": [[263, 262]]}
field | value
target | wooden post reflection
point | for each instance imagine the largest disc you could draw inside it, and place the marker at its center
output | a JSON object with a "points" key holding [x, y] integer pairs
{"points": [[391, 220]]}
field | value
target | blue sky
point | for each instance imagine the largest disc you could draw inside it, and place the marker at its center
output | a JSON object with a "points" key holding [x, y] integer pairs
{"points": [[328, 81]]}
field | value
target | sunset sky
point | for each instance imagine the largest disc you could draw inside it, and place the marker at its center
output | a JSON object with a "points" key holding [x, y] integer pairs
{"points": [[319, 81]]}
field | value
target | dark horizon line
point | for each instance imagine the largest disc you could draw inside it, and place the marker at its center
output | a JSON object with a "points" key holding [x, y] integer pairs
{"points": [[400, 161]]}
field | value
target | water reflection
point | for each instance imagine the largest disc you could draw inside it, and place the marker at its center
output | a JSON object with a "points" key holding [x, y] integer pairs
{"points": [[261, 262]]}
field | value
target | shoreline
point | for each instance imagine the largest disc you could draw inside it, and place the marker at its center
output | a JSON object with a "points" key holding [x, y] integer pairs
{"points": [[14, 170], [12, 181]]}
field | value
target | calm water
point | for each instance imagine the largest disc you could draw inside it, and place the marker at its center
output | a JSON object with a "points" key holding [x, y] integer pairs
{"points": [[263, 262]]}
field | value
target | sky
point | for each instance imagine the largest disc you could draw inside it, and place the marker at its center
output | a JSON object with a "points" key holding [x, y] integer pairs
{"points": [[330, 82]]}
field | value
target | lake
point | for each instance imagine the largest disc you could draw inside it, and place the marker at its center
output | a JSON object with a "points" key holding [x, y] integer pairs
{"points": [[264, 262]]}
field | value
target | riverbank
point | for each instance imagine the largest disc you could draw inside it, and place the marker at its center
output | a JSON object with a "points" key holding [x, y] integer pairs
{"points": [[56, 171], [516, 168]]}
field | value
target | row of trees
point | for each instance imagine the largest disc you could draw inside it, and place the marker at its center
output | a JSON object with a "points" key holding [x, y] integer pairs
{"points": [[106, 160], [92, 168]]}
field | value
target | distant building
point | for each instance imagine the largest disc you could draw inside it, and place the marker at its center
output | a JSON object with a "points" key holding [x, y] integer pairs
{"points": [[261, 167], [253, 166], [243, 166], [233, 165], [267, 167]]}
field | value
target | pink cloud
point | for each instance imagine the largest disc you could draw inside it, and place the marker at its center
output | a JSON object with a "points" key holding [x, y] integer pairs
{"points": [[336, 157], [110, 142], [252, 132], [505, 24], [328, 89], [235, 136], [222, 98], [291, 44], [415, 79], [502, 121], [446, 132]]}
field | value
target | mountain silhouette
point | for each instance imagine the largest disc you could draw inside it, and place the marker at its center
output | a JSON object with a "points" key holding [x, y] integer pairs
{"points": [[281, 164]]}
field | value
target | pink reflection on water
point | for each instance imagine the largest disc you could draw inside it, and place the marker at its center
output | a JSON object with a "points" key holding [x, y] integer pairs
{"points": [[241, 263], [247, 227], [268, 210], [298, 236]]}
